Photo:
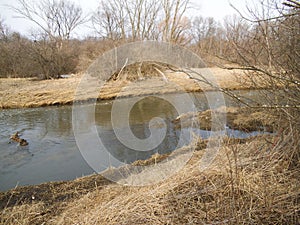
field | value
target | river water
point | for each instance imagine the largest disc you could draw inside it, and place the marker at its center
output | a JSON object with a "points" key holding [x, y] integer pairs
{"points": [[52, 153]]}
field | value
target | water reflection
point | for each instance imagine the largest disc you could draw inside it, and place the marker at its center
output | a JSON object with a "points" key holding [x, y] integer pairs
{"points": [[140, 116], [52, 153]]}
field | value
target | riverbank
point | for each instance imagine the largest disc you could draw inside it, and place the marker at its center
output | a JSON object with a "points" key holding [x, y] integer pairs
{"points": [[250, 182], [237, 118], [29, 93]]}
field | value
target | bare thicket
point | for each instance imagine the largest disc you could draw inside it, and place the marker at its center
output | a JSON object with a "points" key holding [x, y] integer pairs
{"points": [[56, 18], [13, 57], [51, 49], [143, 20], [264, 41], [174, 23], [109, 20], [266, 45]]}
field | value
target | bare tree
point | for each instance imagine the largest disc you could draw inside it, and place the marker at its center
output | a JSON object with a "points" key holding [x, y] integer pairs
{"points": [[203, 28], [238, 33], [142, 16], [3, 30], [174, 23], [57, 18], [134, 19], [204, 32], [266, 46], [143, 20], [109, 20]]}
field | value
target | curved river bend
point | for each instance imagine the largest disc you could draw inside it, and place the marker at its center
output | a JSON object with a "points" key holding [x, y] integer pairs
{"points": [[52, 153]]}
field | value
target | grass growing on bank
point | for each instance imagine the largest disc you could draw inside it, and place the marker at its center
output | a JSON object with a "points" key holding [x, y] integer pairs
{"points": [[255, 181], [252, 181], [29, 93]]}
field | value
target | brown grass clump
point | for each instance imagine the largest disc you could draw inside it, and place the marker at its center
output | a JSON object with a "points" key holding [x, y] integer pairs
{"points": [[247, 184], [252, 121], [253, 182], [39, 203], [156, 158], [141, 71], [244, 119], [23, 214]]}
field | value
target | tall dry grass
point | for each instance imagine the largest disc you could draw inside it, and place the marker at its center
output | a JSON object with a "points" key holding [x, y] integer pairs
{"points": [[254, 182], [250, 183]]}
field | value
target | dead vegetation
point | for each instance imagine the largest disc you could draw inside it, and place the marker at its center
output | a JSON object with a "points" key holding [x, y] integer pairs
{"points": [[141, 71], [37, 204], [251, 182], [245, 119], [29, 93]]}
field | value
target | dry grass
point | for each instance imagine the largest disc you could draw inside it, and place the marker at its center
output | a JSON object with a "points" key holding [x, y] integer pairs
{"points": [[246, 184], [38, 203], [245, 119], [251, 182], [25, 92], [141, 71]]}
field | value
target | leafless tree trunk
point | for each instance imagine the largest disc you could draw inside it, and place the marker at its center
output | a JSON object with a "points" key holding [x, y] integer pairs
{"points": [[134, 19], [57, 18], [174, 23], [142, 16], [109, 20]]}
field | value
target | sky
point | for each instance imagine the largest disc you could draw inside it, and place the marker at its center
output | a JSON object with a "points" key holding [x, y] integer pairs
{"points": [[212, 8]]}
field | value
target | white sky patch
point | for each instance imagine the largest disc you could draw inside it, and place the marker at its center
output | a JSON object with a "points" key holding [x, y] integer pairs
{"points": [[217, 9]]}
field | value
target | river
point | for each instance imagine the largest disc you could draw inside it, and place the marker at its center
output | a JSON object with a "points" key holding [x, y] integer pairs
{"points": [[52, 153]]}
